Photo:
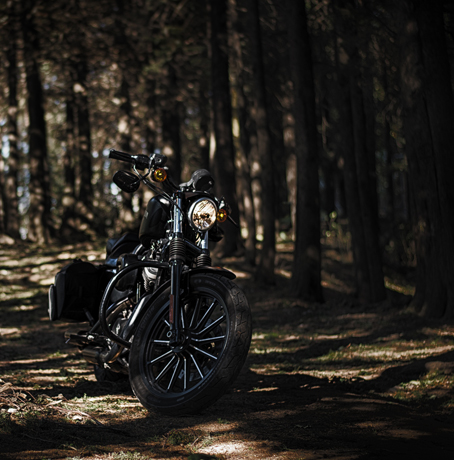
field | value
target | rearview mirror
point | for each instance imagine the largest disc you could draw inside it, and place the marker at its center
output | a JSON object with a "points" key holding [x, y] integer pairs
{"points": [[127, 181]]}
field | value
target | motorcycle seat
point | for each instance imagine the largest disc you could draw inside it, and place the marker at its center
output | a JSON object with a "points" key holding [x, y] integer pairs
{"points": [[115, 247]]}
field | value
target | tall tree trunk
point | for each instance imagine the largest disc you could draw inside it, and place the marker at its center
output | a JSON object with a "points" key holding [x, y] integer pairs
{"points": [[126, 220], [68, 225], [85, 195], [367, 191], [224, 161], [150, 116], [264, 160], [171, 125], [243, 153], [12, 181], [2, 195], [39, 213], [204, 139], [428, 105], [358, 169], [306, 276]]}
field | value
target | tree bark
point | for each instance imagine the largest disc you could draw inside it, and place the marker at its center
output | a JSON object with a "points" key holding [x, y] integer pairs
{"points": [[12, 223], [171, 121], [127, 220], [39, 213], [85, 192], [68, 225], [2, 196], [244, 147], [224, 160], [263, 163], [306, 276], [428, 115], [361, 194]]}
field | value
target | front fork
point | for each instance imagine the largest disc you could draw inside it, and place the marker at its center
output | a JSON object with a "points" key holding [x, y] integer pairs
{"points": [[177, 256]]}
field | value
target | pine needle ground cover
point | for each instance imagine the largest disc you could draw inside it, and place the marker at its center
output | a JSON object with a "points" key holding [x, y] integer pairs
{"points": [[334, 380]]}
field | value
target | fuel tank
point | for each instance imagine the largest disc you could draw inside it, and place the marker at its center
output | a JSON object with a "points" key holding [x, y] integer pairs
{"points": [[154, 220]]}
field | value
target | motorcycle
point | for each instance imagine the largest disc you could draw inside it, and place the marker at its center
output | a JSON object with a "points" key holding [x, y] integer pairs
{"points": [[158, 311]]}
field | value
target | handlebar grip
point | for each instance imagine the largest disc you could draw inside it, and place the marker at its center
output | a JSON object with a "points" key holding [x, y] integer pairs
{"points": [[122, 156]]}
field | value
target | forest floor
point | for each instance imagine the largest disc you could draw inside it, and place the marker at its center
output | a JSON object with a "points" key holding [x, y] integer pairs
{"points": [[337, 380]]}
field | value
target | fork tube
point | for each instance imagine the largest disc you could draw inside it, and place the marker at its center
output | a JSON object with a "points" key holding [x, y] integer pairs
{"points": [[177, 255]]}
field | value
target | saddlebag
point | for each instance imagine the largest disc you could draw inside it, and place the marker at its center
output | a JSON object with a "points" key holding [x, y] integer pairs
{"points": [[76, 293]]}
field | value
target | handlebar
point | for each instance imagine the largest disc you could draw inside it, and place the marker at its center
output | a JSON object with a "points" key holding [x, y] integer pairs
{"points": [[140, 161], [201, 180]]}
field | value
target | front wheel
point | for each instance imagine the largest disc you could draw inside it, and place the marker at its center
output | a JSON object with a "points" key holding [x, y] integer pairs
{"points": [[216, 334]]}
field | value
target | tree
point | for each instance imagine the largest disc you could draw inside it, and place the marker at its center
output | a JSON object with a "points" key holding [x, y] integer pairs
{"points": [[358, 162], [242, 116], [263, 162], [39, 213], [68, 223], [2, 197], [306, 276], [85, 189], [428, 115], [171, 123], [12, 222], [222, 114]]}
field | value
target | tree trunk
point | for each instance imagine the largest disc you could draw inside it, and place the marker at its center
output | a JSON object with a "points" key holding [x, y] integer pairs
{"points": [[243, 154], [2, 195], [306, 276], [150, 116], [361, 194], [39, 214], [12, 178], [264, 160], [367, 191], [204, 140], [171, 121], [224, 160], [85, 195], [126, 219], [428, 105], [68, 225]]}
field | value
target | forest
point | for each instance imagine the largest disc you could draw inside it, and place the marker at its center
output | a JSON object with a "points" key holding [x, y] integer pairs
{"points": [[314, 116]]}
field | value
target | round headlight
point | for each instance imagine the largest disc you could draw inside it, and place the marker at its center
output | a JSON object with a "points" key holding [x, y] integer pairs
{"points": [[202, 214]]}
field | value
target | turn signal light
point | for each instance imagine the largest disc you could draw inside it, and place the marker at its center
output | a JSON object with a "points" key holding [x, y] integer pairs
{"points": [[221, 215], [160, 175]]}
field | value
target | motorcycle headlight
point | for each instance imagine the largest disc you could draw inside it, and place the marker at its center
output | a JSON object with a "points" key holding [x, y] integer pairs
{"points": [[202, 214]]}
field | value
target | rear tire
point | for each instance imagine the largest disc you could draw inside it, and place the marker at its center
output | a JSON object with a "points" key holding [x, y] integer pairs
{"points": [[217, 331]]}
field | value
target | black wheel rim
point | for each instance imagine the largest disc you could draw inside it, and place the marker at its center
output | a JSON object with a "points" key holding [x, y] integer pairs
{"points": [[205, 324]]}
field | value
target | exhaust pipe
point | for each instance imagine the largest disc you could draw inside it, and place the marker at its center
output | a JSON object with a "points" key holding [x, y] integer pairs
{"points": [[101, 356]]}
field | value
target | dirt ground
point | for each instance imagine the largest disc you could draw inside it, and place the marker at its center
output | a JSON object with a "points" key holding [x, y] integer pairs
{"points": [[337, 380]]}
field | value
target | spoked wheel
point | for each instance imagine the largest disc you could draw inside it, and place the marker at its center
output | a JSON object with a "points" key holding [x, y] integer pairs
{"points": [[216, 334]]}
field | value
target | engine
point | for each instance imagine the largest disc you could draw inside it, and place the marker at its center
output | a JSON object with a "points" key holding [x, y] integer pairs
{"points": [[152, 275]]}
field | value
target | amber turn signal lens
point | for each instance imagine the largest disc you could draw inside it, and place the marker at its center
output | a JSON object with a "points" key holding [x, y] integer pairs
{"points": [[160, 175], [221, 215]]}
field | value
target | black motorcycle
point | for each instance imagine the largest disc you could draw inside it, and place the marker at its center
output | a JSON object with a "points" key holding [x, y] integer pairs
{"points": [[157, 310]]}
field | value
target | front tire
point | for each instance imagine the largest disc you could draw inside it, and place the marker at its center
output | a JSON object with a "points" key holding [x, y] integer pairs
{"points": [[216, 323]]}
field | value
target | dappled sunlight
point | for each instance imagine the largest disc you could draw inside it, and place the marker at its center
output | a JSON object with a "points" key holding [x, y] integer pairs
{"points": [[336, 370]]}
